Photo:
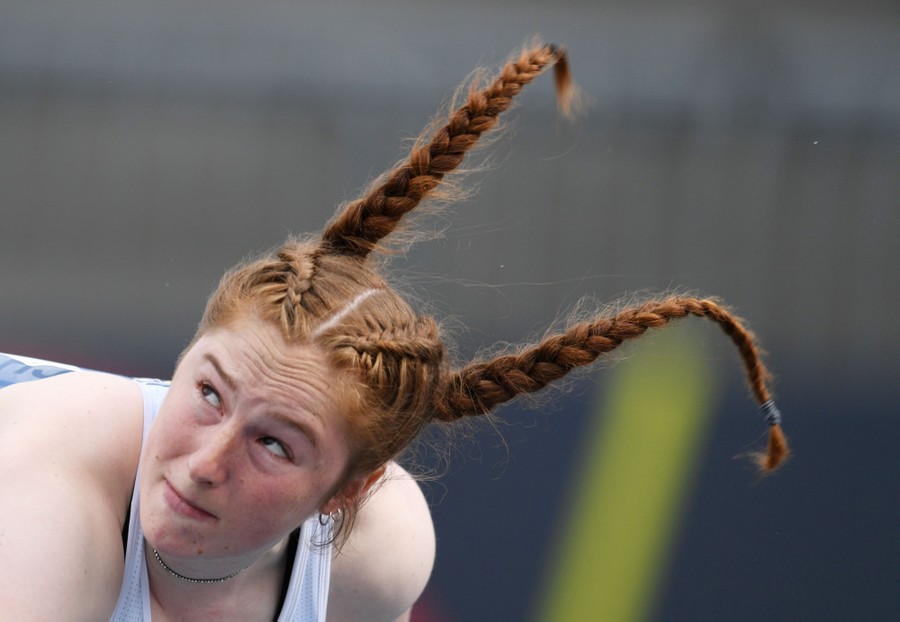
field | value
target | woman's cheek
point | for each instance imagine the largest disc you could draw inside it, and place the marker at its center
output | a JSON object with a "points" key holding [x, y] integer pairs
{"points": [[174, 435]]}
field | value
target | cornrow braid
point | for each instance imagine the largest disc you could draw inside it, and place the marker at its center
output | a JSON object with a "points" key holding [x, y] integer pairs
{"points": [[362, 223], [421, 342], [481, 386], [297, 272], [400, 358]]}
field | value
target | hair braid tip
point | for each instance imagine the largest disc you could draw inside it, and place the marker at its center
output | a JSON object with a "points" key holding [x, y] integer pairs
{"points": [[566, 92], [757, 376], [777, 450]]}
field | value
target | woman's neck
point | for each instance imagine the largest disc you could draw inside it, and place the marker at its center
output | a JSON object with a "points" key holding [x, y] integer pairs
{"points": [[253, 594]]}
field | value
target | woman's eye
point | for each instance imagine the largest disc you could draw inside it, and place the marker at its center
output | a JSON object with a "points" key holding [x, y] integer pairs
{"points": [[210, 395], [274, 446]]}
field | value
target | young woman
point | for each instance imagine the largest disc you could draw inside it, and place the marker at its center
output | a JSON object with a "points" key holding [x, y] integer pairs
{"points": [[238, 489]]}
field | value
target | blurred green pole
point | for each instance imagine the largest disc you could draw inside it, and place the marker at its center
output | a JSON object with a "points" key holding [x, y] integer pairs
{"points": [[637, 466]]}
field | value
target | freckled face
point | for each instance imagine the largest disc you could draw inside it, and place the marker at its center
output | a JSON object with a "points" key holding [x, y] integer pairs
{"points": [[247, 444]]}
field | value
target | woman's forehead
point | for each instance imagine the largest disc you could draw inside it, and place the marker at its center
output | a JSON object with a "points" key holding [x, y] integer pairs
{"points": [[253, 355]]}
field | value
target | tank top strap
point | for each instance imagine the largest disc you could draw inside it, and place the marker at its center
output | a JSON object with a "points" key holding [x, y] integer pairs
{"points": [[134, 596], [307, 594]]}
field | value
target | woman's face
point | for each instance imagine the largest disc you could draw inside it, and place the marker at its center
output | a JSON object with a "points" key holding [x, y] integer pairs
{"points": [[248, 443]]}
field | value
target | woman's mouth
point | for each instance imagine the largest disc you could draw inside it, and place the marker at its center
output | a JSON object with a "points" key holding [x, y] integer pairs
{"points": [[182, 506]]}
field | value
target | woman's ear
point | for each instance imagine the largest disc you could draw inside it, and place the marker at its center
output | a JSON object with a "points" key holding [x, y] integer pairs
{"points": [[353, 491]]}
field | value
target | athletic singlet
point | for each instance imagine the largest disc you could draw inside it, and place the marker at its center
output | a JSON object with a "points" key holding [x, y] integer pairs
{"points": [[306, 595]]}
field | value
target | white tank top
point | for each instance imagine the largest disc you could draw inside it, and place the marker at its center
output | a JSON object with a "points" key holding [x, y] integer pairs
{"points": [[307, 592]]}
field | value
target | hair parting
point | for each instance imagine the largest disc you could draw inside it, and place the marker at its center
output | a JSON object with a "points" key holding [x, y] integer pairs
{"points": [[337, 317]]}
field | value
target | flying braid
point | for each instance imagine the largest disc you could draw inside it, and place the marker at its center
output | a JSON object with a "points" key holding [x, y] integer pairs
{"points": [[362, 223], [480, 386]]}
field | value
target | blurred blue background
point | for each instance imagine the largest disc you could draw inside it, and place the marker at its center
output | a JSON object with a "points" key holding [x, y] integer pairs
{"points": [[744, 150]]}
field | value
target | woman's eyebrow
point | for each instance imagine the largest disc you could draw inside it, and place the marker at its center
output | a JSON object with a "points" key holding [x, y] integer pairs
{"points": [[291, 422], [231, 382], [299, 426]]}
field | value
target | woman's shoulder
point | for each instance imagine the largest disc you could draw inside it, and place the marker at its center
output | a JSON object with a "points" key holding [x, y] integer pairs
{"points": [[82, 419], [69, 446], [76, 395], [385, 564]]}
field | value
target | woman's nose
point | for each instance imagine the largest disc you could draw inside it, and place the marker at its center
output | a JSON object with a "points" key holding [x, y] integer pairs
{"points": [[209, 464]]}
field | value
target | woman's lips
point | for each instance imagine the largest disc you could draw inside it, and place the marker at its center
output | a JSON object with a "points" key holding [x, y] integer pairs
{"points": [[182, 506]]}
